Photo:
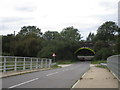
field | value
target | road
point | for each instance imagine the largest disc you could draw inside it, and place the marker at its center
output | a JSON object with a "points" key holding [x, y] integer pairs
{"points": [[55, 78]]}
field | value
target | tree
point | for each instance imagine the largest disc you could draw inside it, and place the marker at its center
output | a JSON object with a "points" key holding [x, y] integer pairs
{"points": [[8, 44], [70, 33], [90, 36], [51, 35], [100, 44], [117, 43], [63, 44], [30, 30], [107, 31], [103, 54]]}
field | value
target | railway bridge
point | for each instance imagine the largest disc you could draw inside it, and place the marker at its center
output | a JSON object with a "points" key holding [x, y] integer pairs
{"points": [[85, 53]]}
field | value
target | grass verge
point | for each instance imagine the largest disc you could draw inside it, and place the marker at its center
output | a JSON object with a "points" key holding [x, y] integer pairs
{"points": [[101, 66], [98, 62], [55, 66], [65, 62]]}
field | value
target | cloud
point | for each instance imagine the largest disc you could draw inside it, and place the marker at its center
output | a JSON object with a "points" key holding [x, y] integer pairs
{"points": [[25, 9], [86, 15], [13, 19], [119, 14]]}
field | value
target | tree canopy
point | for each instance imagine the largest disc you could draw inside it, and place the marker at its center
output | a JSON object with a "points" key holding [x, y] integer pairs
{"points": [[30, 41]]}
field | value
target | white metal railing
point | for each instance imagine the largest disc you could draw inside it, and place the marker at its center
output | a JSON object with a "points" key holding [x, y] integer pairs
{"points": [[113, 63], [12, 63]]}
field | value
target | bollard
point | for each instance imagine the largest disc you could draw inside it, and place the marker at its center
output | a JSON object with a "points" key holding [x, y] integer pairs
{"points": [[41, 63], [4, 64], [31, 64], [50, 61], [15, 67], [37, 63], [24, 64]]}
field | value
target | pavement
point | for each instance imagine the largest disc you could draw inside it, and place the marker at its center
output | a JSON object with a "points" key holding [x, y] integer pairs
{"points": [[55, 78], [97, 77]]}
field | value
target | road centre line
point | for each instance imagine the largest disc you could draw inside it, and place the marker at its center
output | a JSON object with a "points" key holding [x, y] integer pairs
{"points": [[24, 83], [51, 74]]}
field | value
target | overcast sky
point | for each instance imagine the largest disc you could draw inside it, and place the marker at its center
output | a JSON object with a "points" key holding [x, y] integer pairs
{"points": [[54, 15]]}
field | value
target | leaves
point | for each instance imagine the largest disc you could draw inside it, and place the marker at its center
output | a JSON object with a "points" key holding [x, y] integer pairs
{"points": [[31, 42]]}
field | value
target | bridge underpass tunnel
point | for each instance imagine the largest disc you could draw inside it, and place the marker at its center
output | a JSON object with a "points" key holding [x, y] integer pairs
{"points": [[84, 54]]}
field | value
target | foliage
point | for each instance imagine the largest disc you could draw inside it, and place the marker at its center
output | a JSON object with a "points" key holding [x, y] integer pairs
{"points": [[90, 36], [101, 66], [107, 31], [30, 41], [55, 66], [98, 61], [70, 33], [30, 30], [117, 43], [66, 62], [103, 54]]}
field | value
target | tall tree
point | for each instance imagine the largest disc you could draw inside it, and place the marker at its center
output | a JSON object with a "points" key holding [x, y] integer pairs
{"points": [[70, 33], [90, 36], [51, 35], [30, 30], [107, 31]]}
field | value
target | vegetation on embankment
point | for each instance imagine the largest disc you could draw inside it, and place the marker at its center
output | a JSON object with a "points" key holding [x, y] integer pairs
{"points": [[98, 61], [101, 66], [55, 66], [31, 42], [66, 62]]}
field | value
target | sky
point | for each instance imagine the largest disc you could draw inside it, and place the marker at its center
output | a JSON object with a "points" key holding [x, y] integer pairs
{"points": [[55, 15]]}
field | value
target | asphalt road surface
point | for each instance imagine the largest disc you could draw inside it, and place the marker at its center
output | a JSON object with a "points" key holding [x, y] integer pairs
{"points": [[55, 78]]}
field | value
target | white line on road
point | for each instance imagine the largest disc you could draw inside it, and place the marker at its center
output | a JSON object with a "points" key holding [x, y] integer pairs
{"points": [[24, 83], [75, 83], [51, 74], [84, 74]]}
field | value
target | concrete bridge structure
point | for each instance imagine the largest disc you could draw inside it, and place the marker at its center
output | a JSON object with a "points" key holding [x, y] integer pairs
{"points": [[85, 53]]}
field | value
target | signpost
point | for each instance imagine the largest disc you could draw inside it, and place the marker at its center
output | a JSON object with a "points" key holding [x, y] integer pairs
{"points": [[54, 55]]}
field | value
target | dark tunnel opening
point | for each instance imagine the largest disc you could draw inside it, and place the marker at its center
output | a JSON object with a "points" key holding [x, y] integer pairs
{"points": [[85, 54]]}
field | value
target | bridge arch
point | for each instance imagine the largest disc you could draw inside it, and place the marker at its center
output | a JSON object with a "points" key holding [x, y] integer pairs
{"points": [[85, 53]]}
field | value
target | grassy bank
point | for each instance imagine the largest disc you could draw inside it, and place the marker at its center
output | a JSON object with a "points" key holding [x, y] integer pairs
{"points": [[65, 62], [99, 61]]}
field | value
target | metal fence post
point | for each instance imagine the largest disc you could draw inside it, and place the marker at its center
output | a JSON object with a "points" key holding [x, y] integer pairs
{"points": [[50, 63], [15, 67], [24, 64], [31, 64], [41, 64], [45, 63], [37, 63], [4, 64]]}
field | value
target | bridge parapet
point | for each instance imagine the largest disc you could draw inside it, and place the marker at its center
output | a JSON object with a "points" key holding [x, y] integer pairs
{"points": [[113, 63], [85, 57]]}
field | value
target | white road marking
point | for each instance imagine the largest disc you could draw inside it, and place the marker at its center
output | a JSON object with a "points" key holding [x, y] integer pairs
{"points": [[24, 83], [75, 83], [78, 80], [51, 74], [84, 74]]}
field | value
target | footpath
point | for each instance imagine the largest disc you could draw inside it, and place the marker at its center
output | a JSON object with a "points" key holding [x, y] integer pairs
{"points": [[97, 77]]}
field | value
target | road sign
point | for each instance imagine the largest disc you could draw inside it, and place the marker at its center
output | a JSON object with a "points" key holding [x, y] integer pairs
{"points": [[53, 55]]}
